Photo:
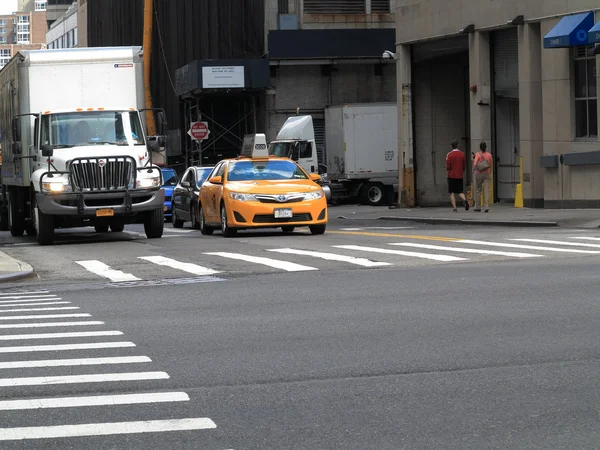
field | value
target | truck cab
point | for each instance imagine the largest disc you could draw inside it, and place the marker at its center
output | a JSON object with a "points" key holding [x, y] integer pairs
{"points": [[296, 140]]}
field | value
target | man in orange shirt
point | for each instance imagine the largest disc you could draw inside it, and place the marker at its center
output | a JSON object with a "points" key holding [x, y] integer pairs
{"points": [[455, 166]]}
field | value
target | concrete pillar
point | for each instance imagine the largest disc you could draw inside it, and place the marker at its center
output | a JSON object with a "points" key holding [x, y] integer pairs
{"points": [[406, 182], [480, 101], [531, 127]]}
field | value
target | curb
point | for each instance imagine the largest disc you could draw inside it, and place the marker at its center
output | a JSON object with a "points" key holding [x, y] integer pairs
{"points": [[16, 275], [24, 270]]}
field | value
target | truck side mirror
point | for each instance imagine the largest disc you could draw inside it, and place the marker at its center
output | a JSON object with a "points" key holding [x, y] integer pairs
{"points": [[47, 151], [16, 129], [153, 145]]}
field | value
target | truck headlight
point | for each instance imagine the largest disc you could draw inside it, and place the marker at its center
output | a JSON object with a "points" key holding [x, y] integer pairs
{"points": [[55, 187], [243, 197], [314, 195], [149, 182]]}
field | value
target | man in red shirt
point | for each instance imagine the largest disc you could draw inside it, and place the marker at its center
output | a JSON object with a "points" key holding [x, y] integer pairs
{"points": [[455, 166]]}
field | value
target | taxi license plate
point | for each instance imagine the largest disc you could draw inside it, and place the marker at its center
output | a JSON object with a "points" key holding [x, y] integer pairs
{"points": [[283, 213], [105, 212]]}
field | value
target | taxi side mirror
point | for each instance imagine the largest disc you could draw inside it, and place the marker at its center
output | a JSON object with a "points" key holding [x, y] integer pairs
{"points": [[216, 180], [315, 177]]}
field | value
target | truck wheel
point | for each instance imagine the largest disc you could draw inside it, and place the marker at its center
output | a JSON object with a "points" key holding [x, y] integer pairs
{"points": [[101, 228], [176, 222], [45, 227], [372, 194], [117, 227], [30, 230], [154, 223], [17, 221], [204, 229], [317, 229]]}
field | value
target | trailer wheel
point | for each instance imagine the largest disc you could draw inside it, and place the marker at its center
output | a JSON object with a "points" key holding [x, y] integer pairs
{"points": [[45, 227], [17, 221], [372, 194], [154, 223]]}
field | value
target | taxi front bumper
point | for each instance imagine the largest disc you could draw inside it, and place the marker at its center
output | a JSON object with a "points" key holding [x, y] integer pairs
{"points": [[257, 214]]}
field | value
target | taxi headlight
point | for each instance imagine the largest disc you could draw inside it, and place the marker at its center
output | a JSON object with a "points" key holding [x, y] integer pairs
{"points": [[243, 197], [314, 195], [149, 182]]}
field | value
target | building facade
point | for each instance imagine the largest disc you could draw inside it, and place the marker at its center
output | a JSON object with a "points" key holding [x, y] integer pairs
{"points": [[521, 76], [63, 31], [22, 30]]}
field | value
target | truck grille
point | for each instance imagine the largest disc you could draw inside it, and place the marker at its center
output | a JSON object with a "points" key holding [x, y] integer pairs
{"points": [[103, 174]]}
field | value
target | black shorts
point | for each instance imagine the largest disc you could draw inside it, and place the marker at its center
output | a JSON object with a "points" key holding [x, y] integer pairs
{"points": [[455, 185]]}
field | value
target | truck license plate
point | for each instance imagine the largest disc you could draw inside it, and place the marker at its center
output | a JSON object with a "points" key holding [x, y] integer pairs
{"points": [[283, 213], [105, 212]]}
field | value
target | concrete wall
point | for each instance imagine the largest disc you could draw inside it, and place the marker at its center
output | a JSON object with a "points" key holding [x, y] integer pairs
{"points": [[440, 109]]}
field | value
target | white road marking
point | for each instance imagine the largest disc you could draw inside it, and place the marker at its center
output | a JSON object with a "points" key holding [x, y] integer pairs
{"points": [[18, 337], [50, 324], [105, 429], [375, 228], [544, 241], [175, 230], [465, 250], [61, 308], [74, 362], [331, 257], [24, 293], [586, 238], [45, 316], [61, 347], [528, 247], [99, 268], [133, 233], [446, 258], [78, 379], [12, 305], [24, 300], [276, 263], [93, 400], [186, 267], [30, 297]]}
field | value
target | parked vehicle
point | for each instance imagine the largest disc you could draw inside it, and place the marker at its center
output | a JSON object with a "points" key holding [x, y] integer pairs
{"points": [[170, 180], [186, 195], [75, 150]]}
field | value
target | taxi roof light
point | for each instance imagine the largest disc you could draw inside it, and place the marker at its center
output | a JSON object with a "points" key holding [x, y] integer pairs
{"points": [[255, 146]]}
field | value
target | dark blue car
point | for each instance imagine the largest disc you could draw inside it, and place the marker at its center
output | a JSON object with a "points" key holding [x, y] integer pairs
{"points": [[170, 181]]}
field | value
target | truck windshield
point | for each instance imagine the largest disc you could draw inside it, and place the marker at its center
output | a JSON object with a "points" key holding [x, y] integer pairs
{"points": [[264, 170], [63, 130], [280, 149]]}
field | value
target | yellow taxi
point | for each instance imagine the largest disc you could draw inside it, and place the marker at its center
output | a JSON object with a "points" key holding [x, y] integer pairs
{"points": [[256, 190]]}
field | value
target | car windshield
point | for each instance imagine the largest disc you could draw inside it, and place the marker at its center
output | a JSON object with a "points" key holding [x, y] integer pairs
{"points": [[170, 177], [202, 174], [280, 149], [264, 170], [87, 128]]}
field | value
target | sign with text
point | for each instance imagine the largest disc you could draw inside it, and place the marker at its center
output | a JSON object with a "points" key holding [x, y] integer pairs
{"points": [[199, 131], [223, 77]]}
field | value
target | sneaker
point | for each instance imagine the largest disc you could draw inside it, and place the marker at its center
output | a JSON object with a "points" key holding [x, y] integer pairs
{"points": [[487, 210], [477, 210], [466, 206], [455, 210]]}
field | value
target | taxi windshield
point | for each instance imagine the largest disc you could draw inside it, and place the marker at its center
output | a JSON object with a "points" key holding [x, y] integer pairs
{"points": [[264, 170]]}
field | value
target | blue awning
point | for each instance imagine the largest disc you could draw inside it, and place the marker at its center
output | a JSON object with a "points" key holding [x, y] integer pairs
{"points": [[594, 34], [570, 31]]}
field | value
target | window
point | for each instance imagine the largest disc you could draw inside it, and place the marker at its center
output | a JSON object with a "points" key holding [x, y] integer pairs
{"points": [[2, 22], [2, 30], [334, 7], [23, 19], [4, 56], [586, 113], [264, 170], [40, 5], [3, 40], [380, 6]]}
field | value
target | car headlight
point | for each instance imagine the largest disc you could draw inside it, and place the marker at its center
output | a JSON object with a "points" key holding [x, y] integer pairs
{"points": [[149, 182], [243, 197], [314, 195]]}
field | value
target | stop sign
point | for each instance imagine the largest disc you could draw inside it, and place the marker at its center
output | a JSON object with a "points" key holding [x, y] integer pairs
{"points": [[199, 131]]}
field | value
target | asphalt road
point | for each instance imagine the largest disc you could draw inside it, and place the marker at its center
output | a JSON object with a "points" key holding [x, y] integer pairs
{"points": [[490, 351]]}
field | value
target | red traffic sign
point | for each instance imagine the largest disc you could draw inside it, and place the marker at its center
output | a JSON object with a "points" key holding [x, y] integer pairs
{"points": [[199, 131]]}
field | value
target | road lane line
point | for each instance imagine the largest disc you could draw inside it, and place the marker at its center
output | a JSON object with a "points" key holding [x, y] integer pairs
{"points": [[23, 300], [79, 379], [93, 400], [275, 263], [528, 247], [63, 347], [446, 258], [331, 257], [74, 362], [45, 316], [76, 334], [186, 267], [50, 324], [400, 236], [12, 305], [466, 250], [61, 308], [106, 429], [101, 269], [571, 244]]}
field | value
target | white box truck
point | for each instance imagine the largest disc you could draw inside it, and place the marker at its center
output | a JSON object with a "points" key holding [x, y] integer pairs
{"points": [[74, 146]]}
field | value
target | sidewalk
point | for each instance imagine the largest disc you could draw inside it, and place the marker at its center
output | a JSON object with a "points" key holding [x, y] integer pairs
{"points": [[12, 269], [499, 215]]}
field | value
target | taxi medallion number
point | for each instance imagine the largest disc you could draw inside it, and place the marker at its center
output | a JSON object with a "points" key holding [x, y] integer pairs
{"points": [[105, 212], [283, 213]]}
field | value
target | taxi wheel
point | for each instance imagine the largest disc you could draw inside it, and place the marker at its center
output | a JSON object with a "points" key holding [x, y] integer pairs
{"points": [[288, 229], [204, 229], [226, 230], [317, 229], [176, 222]]}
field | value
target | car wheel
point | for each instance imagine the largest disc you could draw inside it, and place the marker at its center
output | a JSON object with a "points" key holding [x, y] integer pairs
{"points": [[317, 229], [288, 229], [176, 222], [204, 229], [194, 217], [226, 230]]}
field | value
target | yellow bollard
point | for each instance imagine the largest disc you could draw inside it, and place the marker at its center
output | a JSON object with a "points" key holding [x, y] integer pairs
{"points": [[519, 187]]}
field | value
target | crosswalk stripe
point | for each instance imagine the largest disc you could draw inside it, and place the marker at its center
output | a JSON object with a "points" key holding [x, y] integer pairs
{"points": [[571, 244], [529, 247], [29, 298], [93, 400], [466, 250], [61, 308], [586, 238], [24, 300], [12, 305], [105, 429], [434, 257], [26, 293], [19, 337], [331, 257], [50, 324], [276, 263], [61, 347], [74, 362], [45, 316], [99, 268], [186, 267], [78, 379]]}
